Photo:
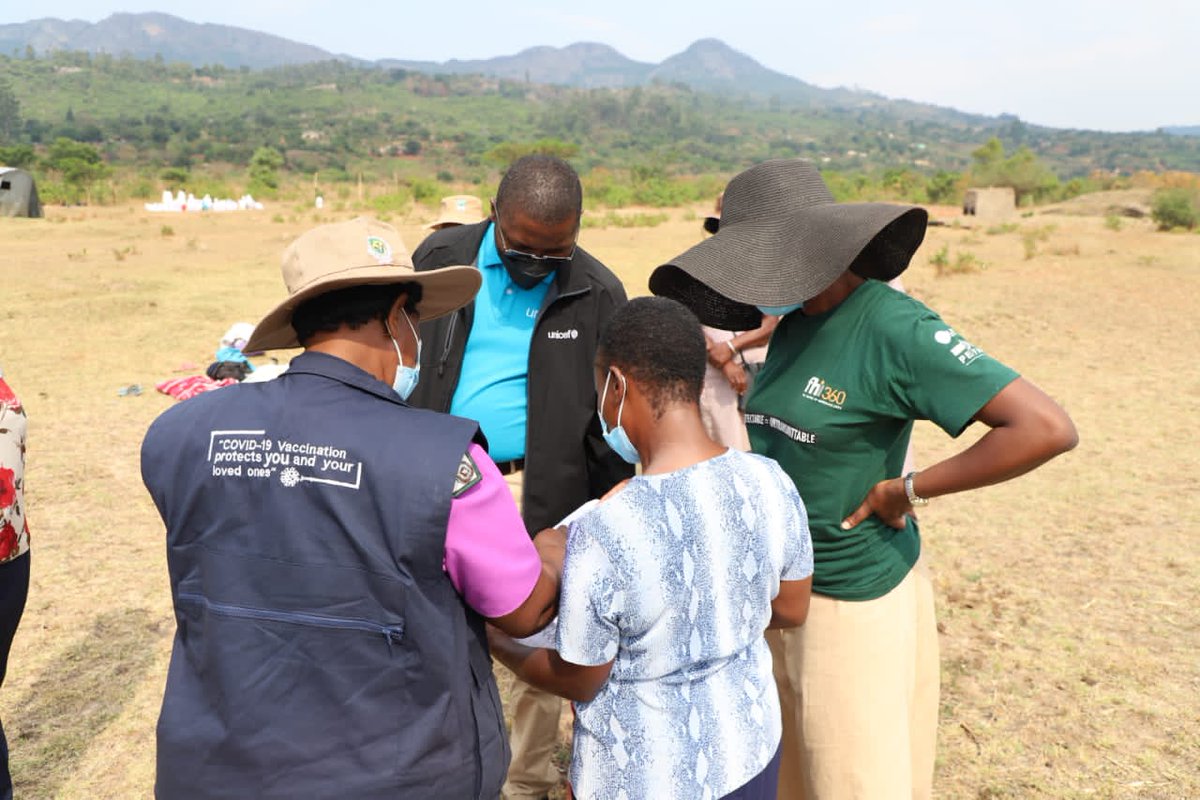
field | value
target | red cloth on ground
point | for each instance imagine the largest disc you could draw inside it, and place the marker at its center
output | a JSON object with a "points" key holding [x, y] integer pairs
{"points": [[186, 388]]}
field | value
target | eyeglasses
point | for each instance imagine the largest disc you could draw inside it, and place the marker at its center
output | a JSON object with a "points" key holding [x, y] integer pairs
{"points": [[519, 256]]}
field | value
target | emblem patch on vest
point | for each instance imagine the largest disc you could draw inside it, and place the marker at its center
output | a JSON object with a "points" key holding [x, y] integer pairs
{"points": [[466, 476]]}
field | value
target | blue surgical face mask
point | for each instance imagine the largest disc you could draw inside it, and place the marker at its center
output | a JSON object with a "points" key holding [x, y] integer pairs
{"points": [[406, 377], [617, 438], [779, 311]]}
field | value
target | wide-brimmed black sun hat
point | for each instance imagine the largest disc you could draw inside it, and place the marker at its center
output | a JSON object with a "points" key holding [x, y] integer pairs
{"points": [[783, 240]]}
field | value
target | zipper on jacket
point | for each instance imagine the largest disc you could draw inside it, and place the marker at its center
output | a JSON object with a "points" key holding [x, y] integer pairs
{"points": [[392, 634], [447, 346]]}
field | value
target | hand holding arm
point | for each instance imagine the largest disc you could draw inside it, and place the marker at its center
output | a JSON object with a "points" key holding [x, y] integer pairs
{"points": [[719, 353], [546, 669], [736, 375]]}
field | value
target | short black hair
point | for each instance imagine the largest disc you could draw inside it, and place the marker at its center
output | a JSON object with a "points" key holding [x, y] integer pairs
{"points": [[545, 188], [353, 307], [657, 342]]}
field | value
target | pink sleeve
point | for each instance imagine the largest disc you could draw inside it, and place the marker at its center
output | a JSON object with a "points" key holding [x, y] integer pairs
{"points": [[489, 556]]}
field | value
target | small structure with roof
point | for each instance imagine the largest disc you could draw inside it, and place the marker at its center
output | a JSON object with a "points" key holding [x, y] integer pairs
{"points": [[994, 202], [18, 194]]}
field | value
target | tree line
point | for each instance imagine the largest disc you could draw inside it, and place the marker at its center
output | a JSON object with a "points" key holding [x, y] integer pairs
{"points": [[343, 121]]}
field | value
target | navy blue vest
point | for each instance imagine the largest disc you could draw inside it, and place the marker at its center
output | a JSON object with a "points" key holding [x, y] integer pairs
{"points": [[321, 650]]}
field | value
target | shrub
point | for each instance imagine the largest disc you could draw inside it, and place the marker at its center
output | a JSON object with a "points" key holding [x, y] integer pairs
{"points": [[1113, 222], [1175, 208], [264, 171], [614, 220], [143, 188], [967, 262], [964, 262], [175, 177], [18, 155], [944, 187], [1032, 237], [166, 230], [506, 153], [394, 203], [1005, 227], [424, 190]]}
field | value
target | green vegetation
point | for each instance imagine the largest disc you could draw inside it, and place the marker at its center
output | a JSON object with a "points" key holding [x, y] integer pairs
{"points": [[963, 263], [1113, 222], [612, 219], [1028, 176], [79, 167], [1176, 208], [1032, 237], [264, 170], [275, 131]]}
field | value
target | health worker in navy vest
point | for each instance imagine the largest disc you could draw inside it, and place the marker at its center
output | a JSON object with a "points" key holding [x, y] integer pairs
{"points": [[852, 364], [519, 360], [334, 552]]}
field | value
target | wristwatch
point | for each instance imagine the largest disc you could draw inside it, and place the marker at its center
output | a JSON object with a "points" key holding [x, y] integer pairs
{"points": [[913, 498]]}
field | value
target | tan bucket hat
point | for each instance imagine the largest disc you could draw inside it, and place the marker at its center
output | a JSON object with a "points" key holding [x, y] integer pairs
{"points": [[458, 209], [360, 251]]}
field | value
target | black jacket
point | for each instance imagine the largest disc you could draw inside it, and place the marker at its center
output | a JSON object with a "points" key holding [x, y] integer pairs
{"points": [[566, 460]]}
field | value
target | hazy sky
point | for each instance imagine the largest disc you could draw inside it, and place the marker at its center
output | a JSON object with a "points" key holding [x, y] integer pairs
{"points": [[1103, 64]]}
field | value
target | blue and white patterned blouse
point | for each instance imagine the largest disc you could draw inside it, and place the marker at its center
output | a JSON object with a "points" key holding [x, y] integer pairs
{"points": [[673, 577]]}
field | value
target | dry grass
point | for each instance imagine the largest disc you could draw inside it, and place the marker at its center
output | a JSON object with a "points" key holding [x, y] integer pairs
{"points": [[1067, 598]]}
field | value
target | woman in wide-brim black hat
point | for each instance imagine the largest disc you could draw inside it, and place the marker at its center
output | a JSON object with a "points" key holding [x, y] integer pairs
{"points": [[852, 364]]}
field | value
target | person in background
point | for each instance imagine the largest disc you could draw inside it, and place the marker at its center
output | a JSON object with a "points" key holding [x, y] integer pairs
{"points": [[668, 586], [519, 360], [734, 357], [14, 542], [333, 553], [457, 209], [851, 365]]}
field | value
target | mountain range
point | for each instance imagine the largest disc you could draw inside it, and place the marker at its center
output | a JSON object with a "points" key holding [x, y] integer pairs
{"points": [[707, 65], [145, 36]]}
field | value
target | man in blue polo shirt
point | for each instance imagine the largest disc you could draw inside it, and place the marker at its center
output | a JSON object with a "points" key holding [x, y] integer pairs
{"points": [[495, 369], [519, 360]]}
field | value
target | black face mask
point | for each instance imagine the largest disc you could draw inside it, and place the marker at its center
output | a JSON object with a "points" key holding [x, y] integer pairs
{"points": [[526, 269], [525, 272]]}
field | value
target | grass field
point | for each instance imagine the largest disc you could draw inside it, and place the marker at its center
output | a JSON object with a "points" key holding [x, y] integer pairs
{"points": [[1067, 599]]}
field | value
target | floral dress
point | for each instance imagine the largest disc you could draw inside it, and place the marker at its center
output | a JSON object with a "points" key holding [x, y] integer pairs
{"points": [[14, 529]]}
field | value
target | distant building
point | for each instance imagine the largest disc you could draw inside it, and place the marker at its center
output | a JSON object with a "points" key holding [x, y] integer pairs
{"points": [[995, 202], [18, 194]]}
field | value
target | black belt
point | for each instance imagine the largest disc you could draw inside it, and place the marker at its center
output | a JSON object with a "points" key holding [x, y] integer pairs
{"points": [[509, 467]]}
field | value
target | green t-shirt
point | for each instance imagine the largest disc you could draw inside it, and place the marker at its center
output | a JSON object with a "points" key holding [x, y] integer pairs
{"points": [[834, 405]]}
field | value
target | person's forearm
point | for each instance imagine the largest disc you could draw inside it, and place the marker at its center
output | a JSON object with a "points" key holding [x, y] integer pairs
{"points": [[1027, 429], [757, 337], [542, 668], [1000, 454], [545, 593]]}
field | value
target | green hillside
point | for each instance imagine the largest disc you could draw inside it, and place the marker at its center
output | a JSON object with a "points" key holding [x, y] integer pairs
{"points": [[345, 120]]}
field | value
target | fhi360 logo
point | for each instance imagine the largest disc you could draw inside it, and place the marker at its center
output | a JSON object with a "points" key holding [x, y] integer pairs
{"points": [[820, 391]]}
